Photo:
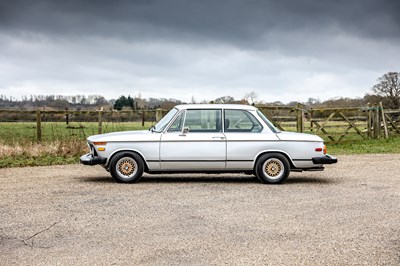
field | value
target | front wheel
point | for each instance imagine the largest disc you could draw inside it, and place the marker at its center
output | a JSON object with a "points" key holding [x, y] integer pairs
{"points": [[126, 167], [272, 168]]}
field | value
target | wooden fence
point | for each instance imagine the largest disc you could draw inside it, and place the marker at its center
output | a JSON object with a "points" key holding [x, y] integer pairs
{"points": [[336, 124], [333, 124], [68, 116]]}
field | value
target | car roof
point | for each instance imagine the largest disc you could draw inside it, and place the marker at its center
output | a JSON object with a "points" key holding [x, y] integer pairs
{"points": [[215, 106]]}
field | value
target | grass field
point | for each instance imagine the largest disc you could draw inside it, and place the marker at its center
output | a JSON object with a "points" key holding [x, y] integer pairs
{"points": [[17, 132], [372, 146], [62, 144]]}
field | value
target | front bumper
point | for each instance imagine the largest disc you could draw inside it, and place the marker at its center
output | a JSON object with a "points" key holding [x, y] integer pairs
{"points": [[89, 159], [327, 159]]}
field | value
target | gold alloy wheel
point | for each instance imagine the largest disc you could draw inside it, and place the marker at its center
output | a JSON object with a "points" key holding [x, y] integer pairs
{"points": [[273, 168], [126, 167]]}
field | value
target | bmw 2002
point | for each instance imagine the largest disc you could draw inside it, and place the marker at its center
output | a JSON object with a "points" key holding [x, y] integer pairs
{"points": [[208, 138]]}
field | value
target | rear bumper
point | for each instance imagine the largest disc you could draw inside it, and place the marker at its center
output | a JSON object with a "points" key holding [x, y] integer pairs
{"points": [[327, 159], [89, 159]]}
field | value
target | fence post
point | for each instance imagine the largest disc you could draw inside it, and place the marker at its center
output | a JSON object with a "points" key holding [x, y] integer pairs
{"points": [[100, 120], [300, 115], [369, 122], [311, 119], [384, 121], [66, 116], [377, 122], [159, 114], [143, 117], [38, 126]]}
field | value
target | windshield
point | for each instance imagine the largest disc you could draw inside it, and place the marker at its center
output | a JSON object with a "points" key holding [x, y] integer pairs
{"points": [[165, 120], [269, 123]]}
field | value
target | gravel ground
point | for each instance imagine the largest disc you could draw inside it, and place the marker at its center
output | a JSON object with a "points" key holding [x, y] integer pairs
{"points": [[62, 215]]}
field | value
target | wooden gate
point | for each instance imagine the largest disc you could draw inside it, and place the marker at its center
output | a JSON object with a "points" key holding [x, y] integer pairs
{"points": [[336, 124]]}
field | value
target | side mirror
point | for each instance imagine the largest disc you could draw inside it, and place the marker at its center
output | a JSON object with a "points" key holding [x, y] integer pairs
{"points": [[184, 131]]}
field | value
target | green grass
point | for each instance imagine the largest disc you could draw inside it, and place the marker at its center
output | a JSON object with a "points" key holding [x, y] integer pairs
{"points": [[391, 145], [60, 144], [42, 160], [15, 132]]}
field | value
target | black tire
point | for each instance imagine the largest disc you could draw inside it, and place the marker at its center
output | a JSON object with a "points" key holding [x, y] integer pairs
{"points": [[127, 167], [272, 168]]}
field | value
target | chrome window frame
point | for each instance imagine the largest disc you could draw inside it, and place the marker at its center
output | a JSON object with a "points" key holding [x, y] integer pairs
{"points": [[208, 109], [243, 110]]}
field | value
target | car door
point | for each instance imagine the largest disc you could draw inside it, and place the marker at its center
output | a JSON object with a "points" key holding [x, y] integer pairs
{"points": [[246, 138], [194, 141]]}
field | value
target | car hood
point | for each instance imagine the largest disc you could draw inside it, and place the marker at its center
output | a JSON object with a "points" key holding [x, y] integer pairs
{"points": [[136, 135], [294, 136]]}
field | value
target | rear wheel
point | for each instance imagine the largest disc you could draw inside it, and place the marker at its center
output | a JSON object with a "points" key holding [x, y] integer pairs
{"points": [[127, 167], [272, 168]]}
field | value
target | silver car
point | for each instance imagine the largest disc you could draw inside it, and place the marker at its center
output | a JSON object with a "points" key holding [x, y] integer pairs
{"points": [[208, 138]]}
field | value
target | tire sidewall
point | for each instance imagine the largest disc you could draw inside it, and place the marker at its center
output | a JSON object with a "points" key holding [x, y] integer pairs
{"points": [[260, 171], [133, 179]]}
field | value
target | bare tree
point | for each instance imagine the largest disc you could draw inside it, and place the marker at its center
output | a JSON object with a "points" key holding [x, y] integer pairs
{"points": [[389, 86], [224, 99], [251, 97]]}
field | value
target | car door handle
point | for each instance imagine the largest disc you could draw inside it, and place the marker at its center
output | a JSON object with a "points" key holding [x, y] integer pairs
{"points": [[218, 137]]}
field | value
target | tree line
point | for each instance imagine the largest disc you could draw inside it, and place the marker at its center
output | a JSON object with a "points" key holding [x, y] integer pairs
{"points": [[82, 102], [386, 90]]}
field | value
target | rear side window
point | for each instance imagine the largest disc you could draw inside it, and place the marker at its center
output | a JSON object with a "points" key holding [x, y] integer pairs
{"points": [[269, 123], [241, 121], [203, 120]]}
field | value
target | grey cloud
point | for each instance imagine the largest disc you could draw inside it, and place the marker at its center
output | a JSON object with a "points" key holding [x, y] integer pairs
{"points": [[233, 21], [280, 49]]}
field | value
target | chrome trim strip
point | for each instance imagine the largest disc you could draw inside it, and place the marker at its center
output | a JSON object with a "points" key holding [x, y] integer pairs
{"points": [[184, 161]]}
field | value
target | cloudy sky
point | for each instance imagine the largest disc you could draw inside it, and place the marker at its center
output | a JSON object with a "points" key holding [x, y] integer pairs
{"points": [[286, 50]]}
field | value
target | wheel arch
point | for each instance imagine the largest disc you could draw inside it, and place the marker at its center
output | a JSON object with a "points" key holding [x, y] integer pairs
{"points": [[273, 151], [146, 167]]}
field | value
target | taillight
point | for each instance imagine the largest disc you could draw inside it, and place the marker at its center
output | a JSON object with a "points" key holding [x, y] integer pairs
{"points": [[321, 149]]}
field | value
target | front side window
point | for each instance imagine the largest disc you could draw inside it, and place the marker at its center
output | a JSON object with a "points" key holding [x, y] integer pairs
{"points": [[203, 120], [241, 121], [165, 120], [177, 125]]}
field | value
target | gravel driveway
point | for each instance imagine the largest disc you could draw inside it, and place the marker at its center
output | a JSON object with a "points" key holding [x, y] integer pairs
{"points": [[63, 215]]}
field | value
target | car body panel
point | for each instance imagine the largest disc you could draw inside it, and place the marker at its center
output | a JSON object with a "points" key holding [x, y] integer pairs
{"points": [[193, 150], [143, 142]]}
